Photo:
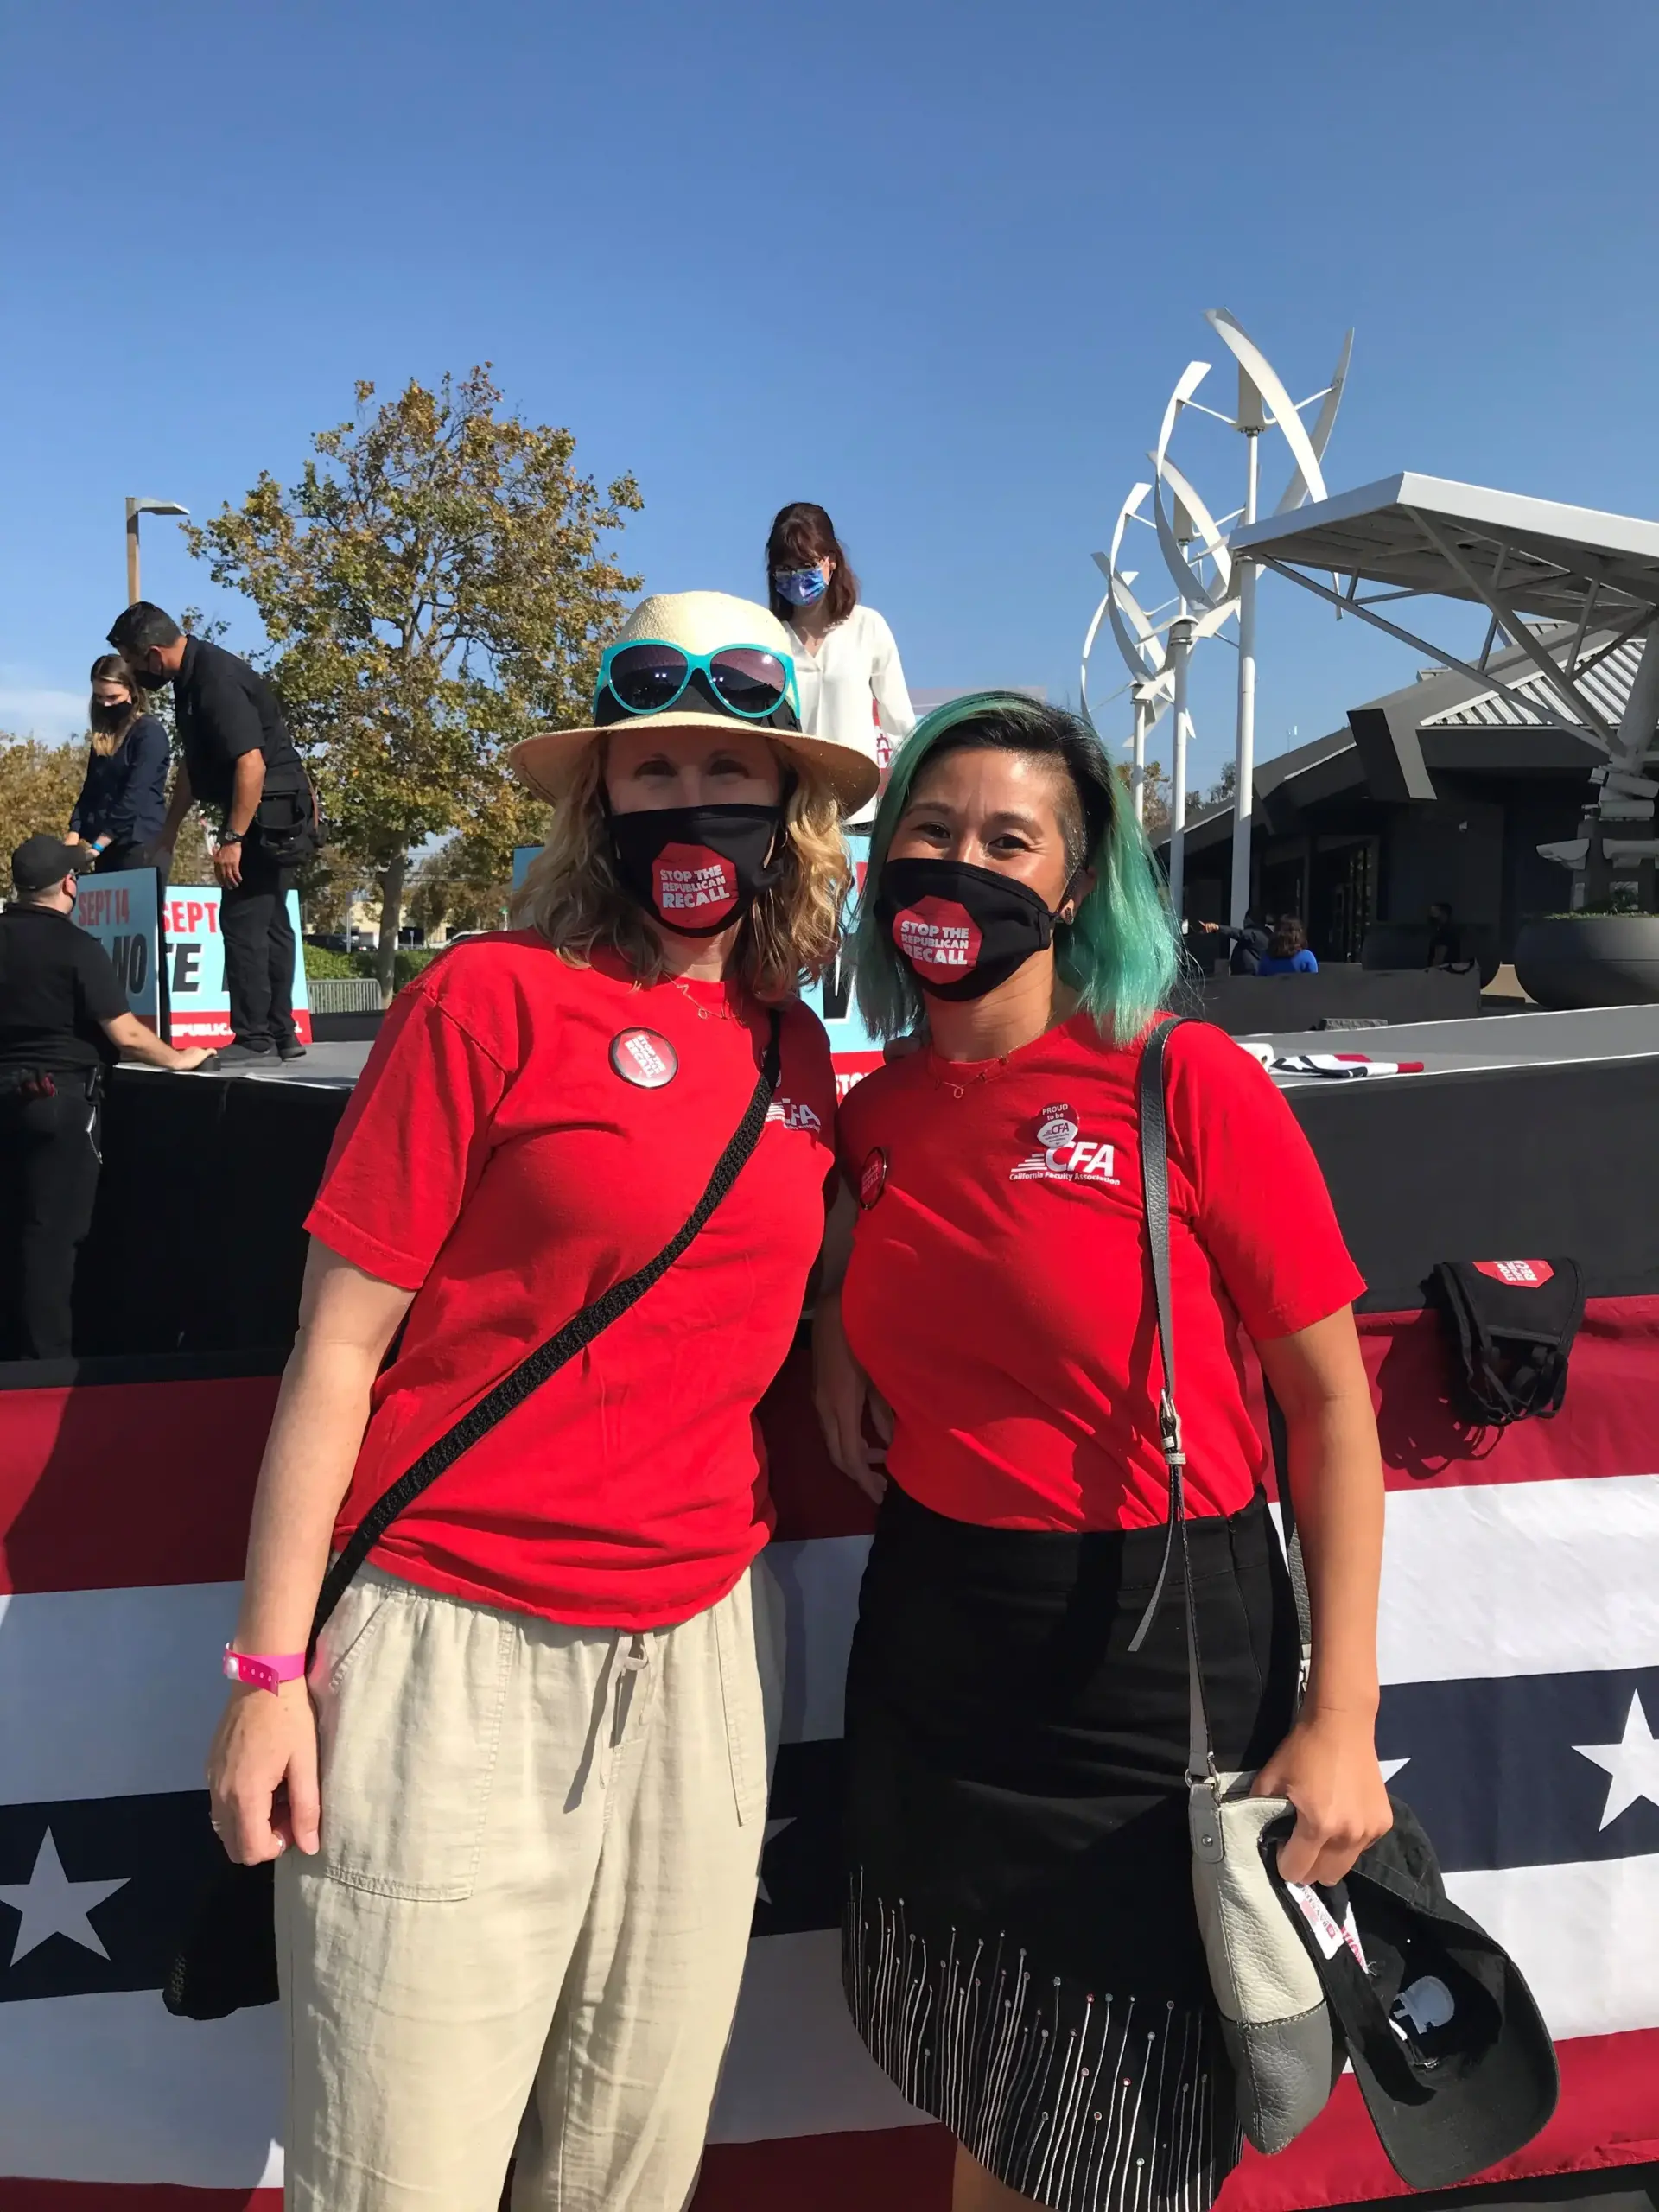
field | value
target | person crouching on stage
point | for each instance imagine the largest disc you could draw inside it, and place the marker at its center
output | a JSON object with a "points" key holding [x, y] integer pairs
{"points": [[1021, 1947], [539, 1723]]}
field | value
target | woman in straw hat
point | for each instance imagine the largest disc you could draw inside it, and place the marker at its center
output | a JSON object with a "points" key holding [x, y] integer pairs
{"points": [[519, 1799], [1021, 1949]]}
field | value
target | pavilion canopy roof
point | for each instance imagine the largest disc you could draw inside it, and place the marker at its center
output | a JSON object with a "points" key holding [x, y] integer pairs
{"points": [[1413, 534]]}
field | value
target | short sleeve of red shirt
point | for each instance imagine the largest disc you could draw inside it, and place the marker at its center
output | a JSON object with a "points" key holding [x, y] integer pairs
{"points": [[504, 1158], [998, 1293], [415, 1136], [1253, 1188]]}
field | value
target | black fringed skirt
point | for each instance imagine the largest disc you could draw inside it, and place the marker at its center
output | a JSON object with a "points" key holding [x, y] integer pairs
{"points": [[1020, 1951]]}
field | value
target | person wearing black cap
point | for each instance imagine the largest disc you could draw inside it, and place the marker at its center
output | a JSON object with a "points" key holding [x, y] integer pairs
{"points": [[240, 763], [63, 1017]]}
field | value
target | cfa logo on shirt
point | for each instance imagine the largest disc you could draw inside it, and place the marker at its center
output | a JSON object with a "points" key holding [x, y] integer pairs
{"points": [[793, 1114], [1066, 1156]]}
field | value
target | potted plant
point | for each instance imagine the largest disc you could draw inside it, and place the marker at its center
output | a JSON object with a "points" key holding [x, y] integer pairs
{"points": [[1601, 956]]}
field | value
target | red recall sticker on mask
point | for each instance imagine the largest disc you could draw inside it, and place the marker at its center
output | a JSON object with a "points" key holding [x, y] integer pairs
{"points": [[939, 937], [1525, 1274], [692, 884]]}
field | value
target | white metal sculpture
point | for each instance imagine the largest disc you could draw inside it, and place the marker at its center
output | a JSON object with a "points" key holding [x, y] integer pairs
{"points": [[1210, 586], [1150, 685], [1155, 648], [1264, 400], [1263, 403]]}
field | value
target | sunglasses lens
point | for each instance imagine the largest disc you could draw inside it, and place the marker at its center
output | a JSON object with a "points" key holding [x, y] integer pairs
{"points": [[647, 677], [749, 680]]}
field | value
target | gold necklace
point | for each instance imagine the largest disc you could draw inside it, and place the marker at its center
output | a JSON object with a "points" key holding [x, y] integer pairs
{"points": [[723, 1013]]}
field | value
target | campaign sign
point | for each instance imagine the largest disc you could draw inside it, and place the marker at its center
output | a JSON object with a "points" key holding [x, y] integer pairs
{"points": [[198, 1003], [522, 857], [855, 1050], [119, 910]]}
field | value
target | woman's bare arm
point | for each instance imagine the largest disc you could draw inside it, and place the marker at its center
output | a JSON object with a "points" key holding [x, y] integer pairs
{"points": [[262, 1767], [841, 1389], [1327, 1766]]}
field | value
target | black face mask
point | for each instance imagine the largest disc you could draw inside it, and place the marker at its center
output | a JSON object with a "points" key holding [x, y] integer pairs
{"points": [[697, 868], [961, 929]]}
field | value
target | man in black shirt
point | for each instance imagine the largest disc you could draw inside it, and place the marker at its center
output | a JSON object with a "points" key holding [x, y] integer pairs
{"points": [[63, 1017], [239, 762], [1248, 943]]}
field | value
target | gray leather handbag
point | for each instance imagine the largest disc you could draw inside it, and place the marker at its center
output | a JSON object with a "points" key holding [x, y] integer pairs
{"points": [[1276, 2021]]}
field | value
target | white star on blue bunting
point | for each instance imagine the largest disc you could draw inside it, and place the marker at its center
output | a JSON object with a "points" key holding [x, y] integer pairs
{"points": [[1633, 1764], [49, 1904]]}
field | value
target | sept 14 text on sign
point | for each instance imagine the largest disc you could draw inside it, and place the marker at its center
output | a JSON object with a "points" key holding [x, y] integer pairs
{"points": [[139, 931]]}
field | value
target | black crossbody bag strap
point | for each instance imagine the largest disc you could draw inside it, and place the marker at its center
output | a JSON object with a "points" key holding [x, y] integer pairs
{"points": [[546, 1360], [1154, 1189], [1154, 1186]]}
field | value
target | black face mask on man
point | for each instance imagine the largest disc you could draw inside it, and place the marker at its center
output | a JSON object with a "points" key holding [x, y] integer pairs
{"points": [[697, 868], [962, 929]]}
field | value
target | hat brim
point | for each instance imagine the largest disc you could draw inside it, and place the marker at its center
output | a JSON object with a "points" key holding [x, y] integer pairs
{"points": [[1435, 2134], [548, 761]]}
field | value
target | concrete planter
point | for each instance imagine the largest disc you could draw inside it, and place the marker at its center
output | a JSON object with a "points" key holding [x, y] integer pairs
{"points": [[1590, 960], [1392, 945]]}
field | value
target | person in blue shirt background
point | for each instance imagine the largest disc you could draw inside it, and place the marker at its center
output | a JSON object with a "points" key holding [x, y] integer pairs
{"points": [[122, 802], [1287, 953]]}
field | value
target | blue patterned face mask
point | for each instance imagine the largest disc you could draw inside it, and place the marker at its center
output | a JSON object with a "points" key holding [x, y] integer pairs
{"points": [[801, 587]]}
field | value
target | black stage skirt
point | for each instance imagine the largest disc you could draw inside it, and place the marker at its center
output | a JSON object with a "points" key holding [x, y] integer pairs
{"points": [[1020, 1950]]}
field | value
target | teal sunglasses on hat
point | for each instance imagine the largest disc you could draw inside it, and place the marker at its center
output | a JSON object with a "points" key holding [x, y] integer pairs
{"points": [[648, 676]]}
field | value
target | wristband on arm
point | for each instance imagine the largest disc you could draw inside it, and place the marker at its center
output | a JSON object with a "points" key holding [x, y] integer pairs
{"points": [[262, 1670]]}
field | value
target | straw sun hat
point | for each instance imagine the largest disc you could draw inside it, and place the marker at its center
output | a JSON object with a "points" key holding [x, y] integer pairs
{"points": [[702, 622]]}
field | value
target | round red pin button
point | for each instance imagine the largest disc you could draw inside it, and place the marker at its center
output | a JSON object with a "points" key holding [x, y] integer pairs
{"points": [[873, 1178], [643, 1058]]}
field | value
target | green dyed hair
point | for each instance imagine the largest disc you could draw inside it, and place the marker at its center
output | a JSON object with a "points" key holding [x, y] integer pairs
{"points": [[1120, 954]]}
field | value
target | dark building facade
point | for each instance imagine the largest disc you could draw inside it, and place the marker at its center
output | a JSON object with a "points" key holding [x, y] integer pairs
{"points": [[1441, 790]]}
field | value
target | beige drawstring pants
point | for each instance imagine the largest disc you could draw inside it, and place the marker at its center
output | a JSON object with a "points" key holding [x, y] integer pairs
{"points": [[527, 1923]]}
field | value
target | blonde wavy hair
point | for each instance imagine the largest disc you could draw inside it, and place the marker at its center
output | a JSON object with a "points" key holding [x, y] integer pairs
{"points": [[790, 935]]}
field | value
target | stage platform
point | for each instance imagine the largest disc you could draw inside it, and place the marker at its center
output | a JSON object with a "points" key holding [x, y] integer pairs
{"points": [[1488, 1043], [1482, 1044], [1520, 1627]]}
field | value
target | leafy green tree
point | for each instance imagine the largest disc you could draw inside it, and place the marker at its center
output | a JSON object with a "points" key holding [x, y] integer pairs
{"points": [[1155, 817], [434, 587], [39, 785]]}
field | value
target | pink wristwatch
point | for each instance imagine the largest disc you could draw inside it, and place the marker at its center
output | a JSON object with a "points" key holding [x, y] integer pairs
{"points": [[263, 1671]]}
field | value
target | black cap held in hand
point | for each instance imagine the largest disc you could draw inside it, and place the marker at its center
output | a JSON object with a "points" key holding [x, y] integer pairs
{"points": [[1449, 2047]]}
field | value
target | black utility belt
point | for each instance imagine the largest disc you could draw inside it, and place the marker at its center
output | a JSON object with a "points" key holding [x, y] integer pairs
{"points": [[27, 1082]]}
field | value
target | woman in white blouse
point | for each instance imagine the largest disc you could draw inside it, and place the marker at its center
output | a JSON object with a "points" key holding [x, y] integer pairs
{"points": [[847, 665]]}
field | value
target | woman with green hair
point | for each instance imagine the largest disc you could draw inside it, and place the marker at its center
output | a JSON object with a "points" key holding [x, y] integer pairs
{"points": [[1020, 1951]]}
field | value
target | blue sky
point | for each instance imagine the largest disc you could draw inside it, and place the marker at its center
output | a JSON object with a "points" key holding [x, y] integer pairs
{"points": [[934, 263]]}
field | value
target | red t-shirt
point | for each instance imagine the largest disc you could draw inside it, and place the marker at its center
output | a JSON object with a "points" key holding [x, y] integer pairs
{"points": [[495, 1161], [999, 1294]]}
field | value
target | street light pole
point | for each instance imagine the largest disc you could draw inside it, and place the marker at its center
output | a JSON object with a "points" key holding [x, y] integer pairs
{"points": [[135, 508]]}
